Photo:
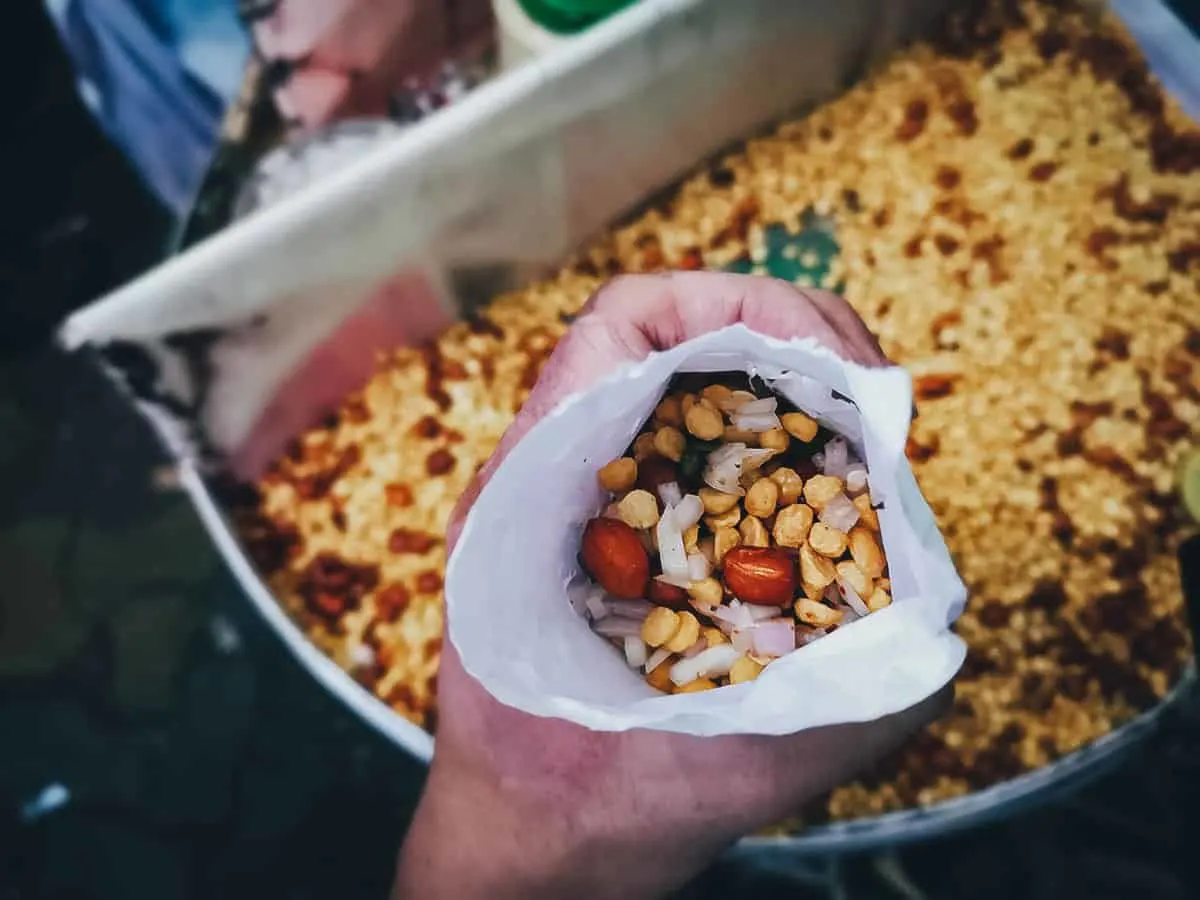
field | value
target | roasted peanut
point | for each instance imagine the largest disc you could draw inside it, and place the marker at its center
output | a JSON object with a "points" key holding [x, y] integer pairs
{"points": [[850, 573], [639, 509], [713, 636], [724, 540], [762, 498], [879, 599], [660, 626], [724, 520], [816, 614], [764, 576], [798, 425], [737, 398], [708, 547], [866, 514], [619, 475], [692, 687], [754, 532], [670, 442], [691, 538], [775, 439], [612, 553], [643, 447], [660, 678], [669, 595], [826, 540], [717, 502], [704, 423], [815, 569], [790, 484], [866, 552], [745, 669], [717, 394], [669, 411], [707, 591], [686, 635], [820, 489], [792, 525], [687, 401]]}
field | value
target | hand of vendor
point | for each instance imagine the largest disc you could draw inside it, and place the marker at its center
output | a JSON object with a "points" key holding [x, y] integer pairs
{"points": [[519, 806]]}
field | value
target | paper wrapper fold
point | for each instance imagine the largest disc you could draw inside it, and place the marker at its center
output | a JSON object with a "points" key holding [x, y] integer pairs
{"points": [[507, 580]]}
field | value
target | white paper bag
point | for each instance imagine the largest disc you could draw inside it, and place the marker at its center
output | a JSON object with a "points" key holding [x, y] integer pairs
{"points": [[507, 580]]}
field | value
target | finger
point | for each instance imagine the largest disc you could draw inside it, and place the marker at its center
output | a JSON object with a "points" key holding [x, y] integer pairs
{"points": [[657, 312], [632, 316], [858, 338], [586, 353]]}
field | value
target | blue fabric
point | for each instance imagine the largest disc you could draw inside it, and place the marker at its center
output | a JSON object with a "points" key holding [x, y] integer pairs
{"points": [[158, 75]]}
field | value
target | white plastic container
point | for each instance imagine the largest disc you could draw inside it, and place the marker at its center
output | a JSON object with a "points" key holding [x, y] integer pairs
{"points": [[520, 38]]}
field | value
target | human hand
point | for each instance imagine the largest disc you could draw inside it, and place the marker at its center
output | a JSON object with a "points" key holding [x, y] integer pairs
{"points": [[521, 806]]}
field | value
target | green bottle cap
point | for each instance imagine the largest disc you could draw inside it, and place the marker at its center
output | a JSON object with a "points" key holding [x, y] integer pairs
{"points": [[571, 16]]}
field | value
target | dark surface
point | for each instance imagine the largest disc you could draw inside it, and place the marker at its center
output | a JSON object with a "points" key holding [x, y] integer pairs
{"points": [[191, 755]]}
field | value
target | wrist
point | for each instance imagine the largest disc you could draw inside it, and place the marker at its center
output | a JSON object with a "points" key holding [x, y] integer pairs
{"points": [[476, 837]]}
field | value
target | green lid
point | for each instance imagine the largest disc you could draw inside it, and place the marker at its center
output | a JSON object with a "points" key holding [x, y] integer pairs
{"points": [[570, 16]]}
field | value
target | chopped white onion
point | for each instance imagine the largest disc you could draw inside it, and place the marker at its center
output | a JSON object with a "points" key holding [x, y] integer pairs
{"points": [[727, 464], [724, 468], [656, 659], [837, 458], [698, 567], [856, 479], [743, 640], [713, 662], [818, 460], [670, 493], [578, 592], [753, 407], [670, 545], [752, 459], [695, 649], [617, 627], [595, 606], [628, 609], [774, 637], [736, 614], [760, 613], [736, 400], [635, 651], [688, 511], [756, 422], [852, 599], [840, 513]]}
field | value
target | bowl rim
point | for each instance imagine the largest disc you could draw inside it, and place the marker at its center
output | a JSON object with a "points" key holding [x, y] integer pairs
{"points": [[1064, 775]]}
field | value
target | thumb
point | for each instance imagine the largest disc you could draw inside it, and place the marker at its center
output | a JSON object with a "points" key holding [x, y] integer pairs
{"points": [[586, 353]]}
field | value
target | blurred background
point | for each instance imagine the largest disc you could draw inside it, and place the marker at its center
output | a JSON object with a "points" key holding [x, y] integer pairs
{"points": [[155, 738]]}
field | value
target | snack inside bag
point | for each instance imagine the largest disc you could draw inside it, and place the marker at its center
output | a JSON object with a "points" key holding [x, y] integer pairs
{"points": [[723, 538]]}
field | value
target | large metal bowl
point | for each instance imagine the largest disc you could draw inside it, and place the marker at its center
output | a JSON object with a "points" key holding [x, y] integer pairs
{"points": [[1037, 787]]}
